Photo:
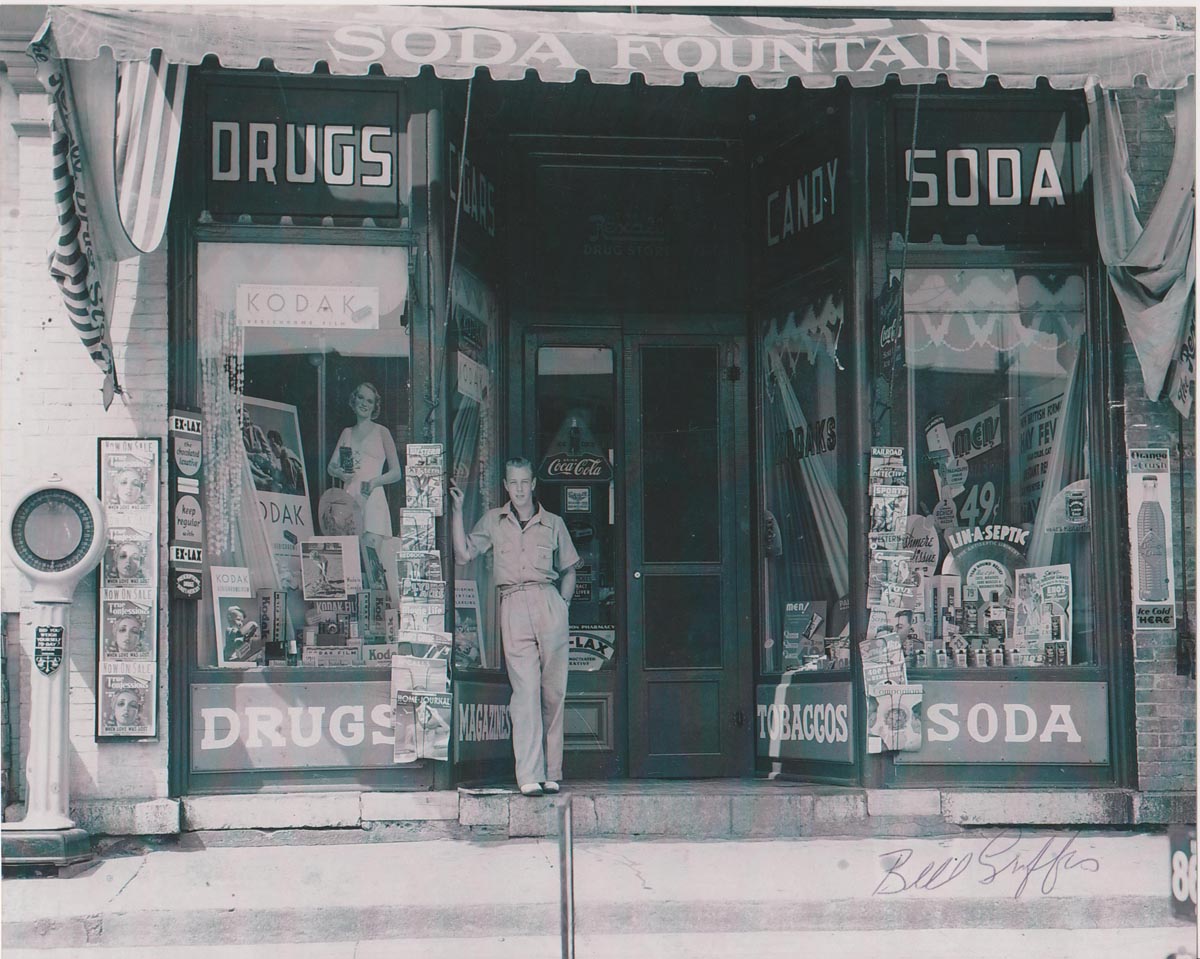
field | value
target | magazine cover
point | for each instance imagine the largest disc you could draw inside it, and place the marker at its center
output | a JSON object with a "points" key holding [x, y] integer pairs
{"points": [[423, 591], [882, 660], [127, 559], [271, 440], [423, 488], [422, 617], [424, 643], [417, 530], [421, 700], [126, 700], [418, 564], [427, 455], [129, 476], [889, 512], [468, 645], [125, 628], [331, 568], [887, 467], [803, 632], [1043, 611], [240, 640], [894, 718]]}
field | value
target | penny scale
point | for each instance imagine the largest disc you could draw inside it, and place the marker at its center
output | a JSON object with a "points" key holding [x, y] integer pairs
{"points": [[54, 534]]}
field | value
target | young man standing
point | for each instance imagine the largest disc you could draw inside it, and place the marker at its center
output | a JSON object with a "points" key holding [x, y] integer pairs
{"points": [[535, 573]]}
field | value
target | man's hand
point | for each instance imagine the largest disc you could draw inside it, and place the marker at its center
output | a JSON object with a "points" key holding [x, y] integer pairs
{"points": [[456, 497]]}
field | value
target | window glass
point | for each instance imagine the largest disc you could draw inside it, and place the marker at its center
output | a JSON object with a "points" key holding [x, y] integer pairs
{"points": [[996, 434], [473, 464], [575, 396], [304, 354], [805, 533]]}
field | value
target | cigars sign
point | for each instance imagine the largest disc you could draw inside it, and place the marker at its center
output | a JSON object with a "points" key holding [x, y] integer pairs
{"points": [[275, 150]]}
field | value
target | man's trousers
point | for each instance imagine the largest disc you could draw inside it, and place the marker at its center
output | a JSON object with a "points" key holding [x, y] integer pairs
{"points": [[533, 627]]}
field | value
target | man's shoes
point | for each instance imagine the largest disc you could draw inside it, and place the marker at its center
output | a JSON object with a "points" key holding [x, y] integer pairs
{"points": [[550, 788], [533, 789]]}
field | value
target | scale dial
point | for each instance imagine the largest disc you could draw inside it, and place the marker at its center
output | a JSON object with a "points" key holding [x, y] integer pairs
{"points": [[52, 530]]}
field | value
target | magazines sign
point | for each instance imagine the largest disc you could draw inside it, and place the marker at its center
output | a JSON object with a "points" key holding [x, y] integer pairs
{"points": [[1043, 722]]}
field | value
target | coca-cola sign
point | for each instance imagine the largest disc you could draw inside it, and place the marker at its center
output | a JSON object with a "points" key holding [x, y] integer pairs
{"points": [[560, 467]]}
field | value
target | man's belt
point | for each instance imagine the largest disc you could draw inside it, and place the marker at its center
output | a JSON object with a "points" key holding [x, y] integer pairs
{"points": [[518, 587]]}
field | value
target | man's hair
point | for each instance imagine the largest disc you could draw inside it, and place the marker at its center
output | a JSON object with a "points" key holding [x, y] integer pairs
{"points": [[517, 463], [905, 612]]}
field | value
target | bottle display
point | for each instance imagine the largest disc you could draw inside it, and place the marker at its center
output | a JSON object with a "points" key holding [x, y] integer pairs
{"points": [[1151, 545]]}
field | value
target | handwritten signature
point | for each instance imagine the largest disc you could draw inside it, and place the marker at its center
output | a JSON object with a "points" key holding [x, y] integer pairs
{"points": [[1002, 857]]}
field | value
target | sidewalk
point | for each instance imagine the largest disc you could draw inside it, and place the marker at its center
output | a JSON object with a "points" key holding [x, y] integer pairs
{"points": [[833, 889]]}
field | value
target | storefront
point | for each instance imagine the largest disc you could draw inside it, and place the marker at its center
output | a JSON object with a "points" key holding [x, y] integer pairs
{"points": [[819, 375]]}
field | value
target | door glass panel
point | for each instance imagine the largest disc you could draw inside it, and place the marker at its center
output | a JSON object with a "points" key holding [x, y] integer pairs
{"points": [[680, 468], [575, 398], [682, 621]]}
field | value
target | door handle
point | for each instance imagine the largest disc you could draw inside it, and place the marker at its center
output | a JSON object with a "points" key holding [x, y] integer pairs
{"points": [[637, 574]]}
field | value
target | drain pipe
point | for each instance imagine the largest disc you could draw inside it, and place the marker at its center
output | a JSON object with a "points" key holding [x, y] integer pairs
{"points": [[566, 878]]}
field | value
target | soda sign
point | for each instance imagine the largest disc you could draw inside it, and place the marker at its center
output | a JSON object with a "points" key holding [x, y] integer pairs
{"points": [[565, 466], [982, 722]]}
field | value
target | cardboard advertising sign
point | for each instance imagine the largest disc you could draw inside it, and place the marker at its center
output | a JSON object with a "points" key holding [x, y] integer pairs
{"points": [[1152, 559]]}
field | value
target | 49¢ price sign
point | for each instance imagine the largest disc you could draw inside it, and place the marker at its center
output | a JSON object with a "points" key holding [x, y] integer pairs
{"points": [[1183, 871]]}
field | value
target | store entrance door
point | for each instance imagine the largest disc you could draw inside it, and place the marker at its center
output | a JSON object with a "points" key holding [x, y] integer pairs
{"points": [[661, 681], [687, 547]]}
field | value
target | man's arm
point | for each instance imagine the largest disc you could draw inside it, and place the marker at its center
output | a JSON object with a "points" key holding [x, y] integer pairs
{"points": [[457, 532], [566, 586]]}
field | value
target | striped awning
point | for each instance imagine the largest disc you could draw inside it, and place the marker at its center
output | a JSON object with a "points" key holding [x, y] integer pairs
{"points": [[612, 47], [114, 131], [117, 77]]}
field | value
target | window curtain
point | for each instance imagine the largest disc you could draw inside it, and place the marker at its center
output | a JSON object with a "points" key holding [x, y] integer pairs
{"points": [[1152, 269]]}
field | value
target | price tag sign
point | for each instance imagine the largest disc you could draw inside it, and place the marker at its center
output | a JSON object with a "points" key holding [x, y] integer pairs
{"points": [[1183, 872]]}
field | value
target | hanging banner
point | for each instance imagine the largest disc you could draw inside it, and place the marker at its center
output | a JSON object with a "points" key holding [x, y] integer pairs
{"points": [[1152, 553], [127, 651]]}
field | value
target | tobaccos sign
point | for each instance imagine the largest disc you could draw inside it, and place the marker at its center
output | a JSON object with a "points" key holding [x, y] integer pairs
{"points": [[302, 151]]}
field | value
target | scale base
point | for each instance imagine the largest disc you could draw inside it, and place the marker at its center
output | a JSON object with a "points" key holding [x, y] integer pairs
{"points": [[45, 847]]}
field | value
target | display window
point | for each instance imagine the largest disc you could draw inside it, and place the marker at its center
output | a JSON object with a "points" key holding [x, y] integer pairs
{"points": [[806, 558], [996, 385], [304, 359], [474, 465]]}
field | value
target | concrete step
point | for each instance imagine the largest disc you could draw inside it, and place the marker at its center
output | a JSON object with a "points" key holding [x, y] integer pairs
{"points": [[1051, 880], [926, 944]]}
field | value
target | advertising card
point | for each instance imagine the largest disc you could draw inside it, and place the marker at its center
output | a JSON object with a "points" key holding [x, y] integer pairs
{"points": [[275, 458], [1152, 558], [468, 645], [894, 718], [1043, 611], [240, 640]]}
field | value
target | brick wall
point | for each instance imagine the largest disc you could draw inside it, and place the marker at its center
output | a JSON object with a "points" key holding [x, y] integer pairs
{"points": [[52, 418], [1165, 702]]}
